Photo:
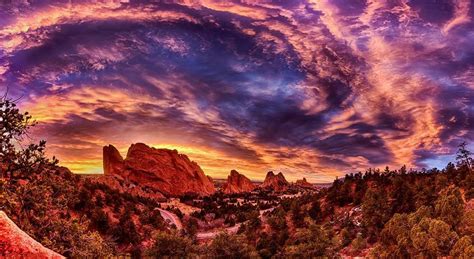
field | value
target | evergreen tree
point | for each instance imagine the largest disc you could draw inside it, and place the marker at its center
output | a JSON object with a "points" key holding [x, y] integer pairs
{"points": [[16, 160], [463, 156], [230, 246], [376, 211], [171, 245], [449, 207]]}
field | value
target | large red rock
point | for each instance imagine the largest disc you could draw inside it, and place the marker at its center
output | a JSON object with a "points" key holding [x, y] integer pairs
{"points": [[113, 161], [275, 182], [303, 183], [164, 170], [14, 243], [237, 183]]}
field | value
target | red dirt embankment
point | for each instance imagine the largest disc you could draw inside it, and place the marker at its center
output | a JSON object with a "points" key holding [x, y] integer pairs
{"points": [[17, 244]]}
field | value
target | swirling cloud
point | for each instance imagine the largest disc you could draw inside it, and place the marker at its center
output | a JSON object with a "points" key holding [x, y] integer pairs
{"points": [[311, 88]]}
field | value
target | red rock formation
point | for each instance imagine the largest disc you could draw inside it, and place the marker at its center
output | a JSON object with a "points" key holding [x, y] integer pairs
{"points": [[14, 243], [237, 183], [161, 169], [210, 179], [113, 161], [303, 183], [117, 183], [275, 182]]}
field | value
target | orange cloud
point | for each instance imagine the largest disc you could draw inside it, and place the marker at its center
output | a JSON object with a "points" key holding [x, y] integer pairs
{"points": [[17, 35], [385, 75], [461, 15]]}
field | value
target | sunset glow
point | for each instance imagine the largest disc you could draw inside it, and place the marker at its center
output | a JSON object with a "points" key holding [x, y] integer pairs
{"points": [[313, 88]]}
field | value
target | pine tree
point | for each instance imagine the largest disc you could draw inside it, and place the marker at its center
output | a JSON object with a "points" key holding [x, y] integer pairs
{"points": [[17, 161], [464, 156]]}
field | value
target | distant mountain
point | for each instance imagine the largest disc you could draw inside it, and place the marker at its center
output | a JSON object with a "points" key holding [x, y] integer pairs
{"points": [[275, 182], [237, 183], [163, 170]]}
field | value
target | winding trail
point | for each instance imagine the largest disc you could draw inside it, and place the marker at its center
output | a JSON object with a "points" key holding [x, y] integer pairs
{"points": [[214, 233], [172, 218]]}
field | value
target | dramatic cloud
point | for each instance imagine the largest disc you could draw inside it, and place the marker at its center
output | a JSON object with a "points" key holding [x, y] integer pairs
{"points": [[310, 88]]}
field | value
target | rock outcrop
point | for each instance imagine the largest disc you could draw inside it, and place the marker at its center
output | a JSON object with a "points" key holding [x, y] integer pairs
{"points": [[237, 183], [164, 170], [14, 243], [116, 182], [303, 183], [113, 161], [275, 182]]}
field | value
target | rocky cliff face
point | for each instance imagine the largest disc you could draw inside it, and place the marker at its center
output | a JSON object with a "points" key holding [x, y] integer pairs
{"points": [[303, 183], [275, 182], [237, 183], [164, 170], [113, 161]]}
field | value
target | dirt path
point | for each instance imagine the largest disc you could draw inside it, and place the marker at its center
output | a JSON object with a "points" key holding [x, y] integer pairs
{"points": [[214, 233], [171, 218]]}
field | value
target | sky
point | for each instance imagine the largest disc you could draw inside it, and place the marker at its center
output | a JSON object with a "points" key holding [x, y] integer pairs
{"points": [[312, 88]]}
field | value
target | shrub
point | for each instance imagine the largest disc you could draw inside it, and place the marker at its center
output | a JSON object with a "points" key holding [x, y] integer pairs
{"points": [[172, 245], [230, 246]]}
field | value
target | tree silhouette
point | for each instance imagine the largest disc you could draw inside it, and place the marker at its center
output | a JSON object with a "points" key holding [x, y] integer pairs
{"points": [[16, 160], [464, 156]]}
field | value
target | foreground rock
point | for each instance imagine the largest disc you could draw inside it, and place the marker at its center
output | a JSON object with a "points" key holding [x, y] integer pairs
{"points": [[14, 243], [164, 170], [303, 183], [237, 183], [277, 182]]}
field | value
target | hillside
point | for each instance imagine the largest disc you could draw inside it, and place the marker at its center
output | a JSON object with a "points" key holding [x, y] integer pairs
{"points": [[83, 217], [376, 214]]}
